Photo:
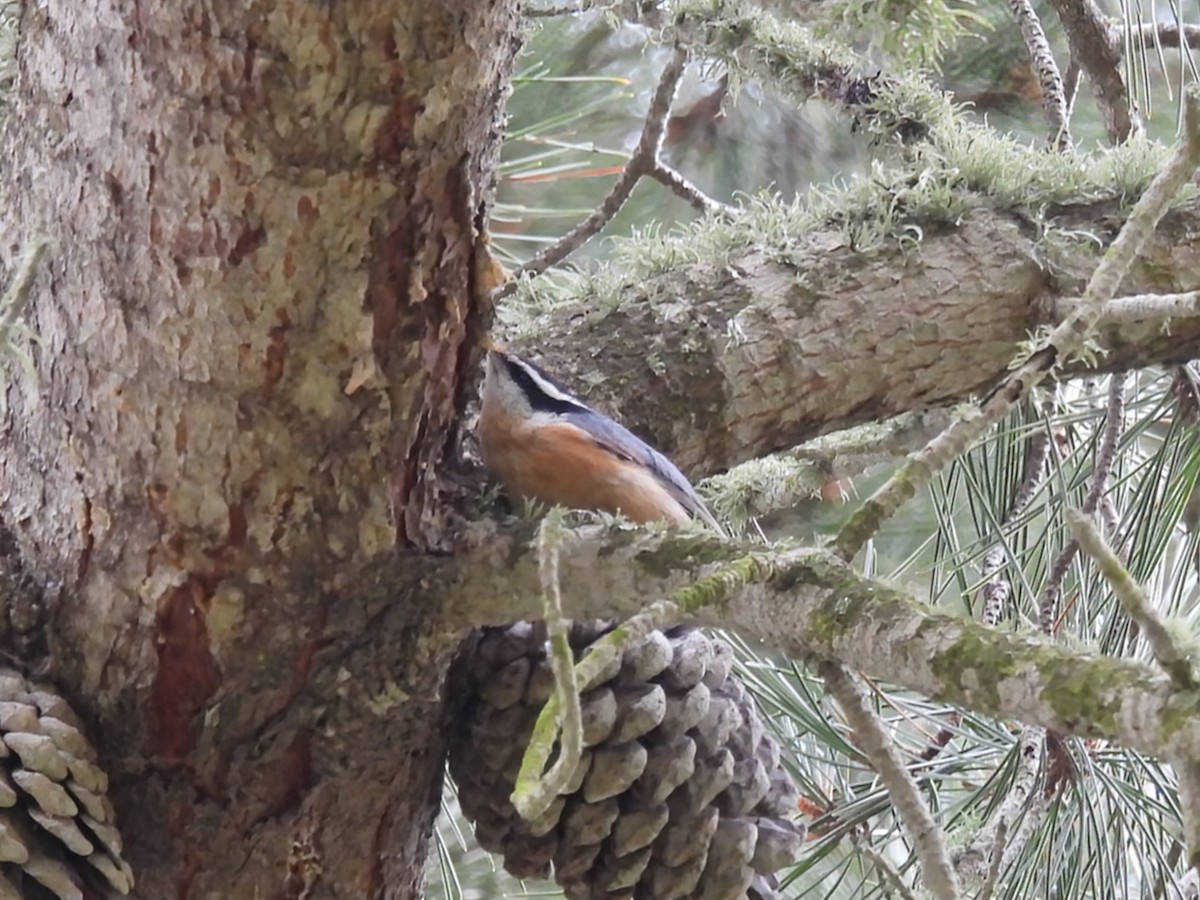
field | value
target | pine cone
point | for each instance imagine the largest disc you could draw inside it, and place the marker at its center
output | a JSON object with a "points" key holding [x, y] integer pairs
{"points": [[54, 811], [679, 793]]}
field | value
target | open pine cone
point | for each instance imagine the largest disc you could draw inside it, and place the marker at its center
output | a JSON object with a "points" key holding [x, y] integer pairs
{"points": [[679, 793], [57, 831]]}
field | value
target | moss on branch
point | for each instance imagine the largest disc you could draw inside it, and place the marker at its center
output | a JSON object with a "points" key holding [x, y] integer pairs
{"points": [[806, 602]]}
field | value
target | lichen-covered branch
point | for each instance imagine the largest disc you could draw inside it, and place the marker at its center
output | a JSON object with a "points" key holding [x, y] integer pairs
{"points": [[762, 486], [983, 857], [534, 791], [1106, 453], [1141, 307], [1167, 650], [807, 602], [1068, 339], [756, 43], [874, 741], [1189, 801]]}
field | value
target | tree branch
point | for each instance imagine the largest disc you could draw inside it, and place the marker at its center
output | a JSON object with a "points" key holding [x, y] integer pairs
{"points": [[982, 859], [775, 347], [1167, 651], [1089, 37], [762, 486], [996, 585], [1140, 307], [874, 741], [1066, 340], [644, 162], [1101, 470], [1054, 99], [1165, 34], [806, 602]]}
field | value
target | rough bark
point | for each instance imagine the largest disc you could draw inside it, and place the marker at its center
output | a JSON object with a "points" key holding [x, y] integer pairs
{"points": [[722, 361], [255, 335]]}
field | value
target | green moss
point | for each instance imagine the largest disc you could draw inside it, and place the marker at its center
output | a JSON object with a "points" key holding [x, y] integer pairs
{"points": [[1180, 714], [1079, 696], [713, 589], [684, 551], [974, 664]]}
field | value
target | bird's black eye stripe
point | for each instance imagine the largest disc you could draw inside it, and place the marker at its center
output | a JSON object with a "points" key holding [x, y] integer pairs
{"points": [[538, 398]]}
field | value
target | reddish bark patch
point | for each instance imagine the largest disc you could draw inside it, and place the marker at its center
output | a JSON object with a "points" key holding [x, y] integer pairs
{"points": [[307, 212], [187, 674], [291, 775], [238, 527], [276, 355], [89, 539], [248, 241], [388, 280], [187, 871], [396, 131], [214, 190], [253, 40]]}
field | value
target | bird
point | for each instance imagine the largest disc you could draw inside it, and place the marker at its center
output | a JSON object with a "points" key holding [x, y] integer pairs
{"points": [[545, 444]]}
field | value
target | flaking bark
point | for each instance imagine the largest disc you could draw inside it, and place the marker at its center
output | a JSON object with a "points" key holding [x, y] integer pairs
{"points": [[256, 334]]}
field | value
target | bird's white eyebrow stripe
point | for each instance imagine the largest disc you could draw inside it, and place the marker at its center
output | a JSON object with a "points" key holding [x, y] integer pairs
{"points": [[545, 386]]}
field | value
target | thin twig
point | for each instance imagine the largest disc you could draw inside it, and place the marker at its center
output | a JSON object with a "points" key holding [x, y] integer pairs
{"points": [[987, 849], [1071, 86], [1067, 339], [644, 162], [993, 875], [1165, 34], [1091, 46], [887, 870], [1054, 99], [534, 791], [1167, 651], [1105, 455], [1140, 307], [872, 738], [640, 163], [683, 188], [567, 9], [996, 586], [1188, 771]]}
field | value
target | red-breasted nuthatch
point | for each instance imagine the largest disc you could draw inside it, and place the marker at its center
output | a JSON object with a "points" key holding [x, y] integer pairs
{"points": [[544, 444]]}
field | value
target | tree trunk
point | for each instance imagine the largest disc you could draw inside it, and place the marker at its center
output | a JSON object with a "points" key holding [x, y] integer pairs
{"points": [[255, 330]]}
